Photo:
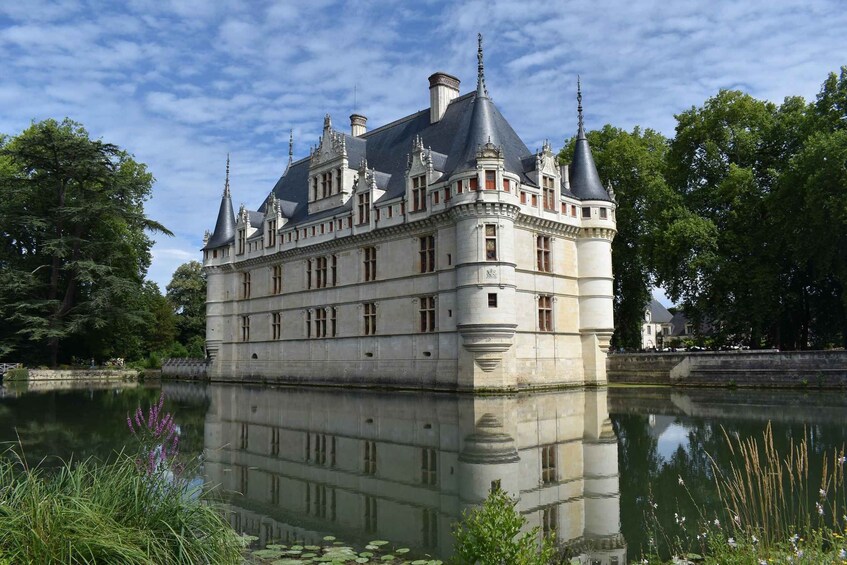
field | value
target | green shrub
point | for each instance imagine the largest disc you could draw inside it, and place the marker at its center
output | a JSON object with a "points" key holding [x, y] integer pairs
{"points": [[94, 512], [491, 535], [16, 375]]}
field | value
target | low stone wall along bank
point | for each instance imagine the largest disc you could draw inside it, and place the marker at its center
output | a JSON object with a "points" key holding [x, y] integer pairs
{"points": [[827, 369]]}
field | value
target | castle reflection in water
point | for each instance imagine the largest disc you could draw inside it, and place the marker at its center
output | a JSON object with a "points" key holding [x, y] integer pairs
{"points": [[403, 466]]}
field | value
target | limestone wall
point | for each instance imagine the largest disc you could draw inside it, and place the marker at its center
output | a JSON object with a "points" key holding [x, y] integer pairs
{"points": [[82, 374], [749, 368]]}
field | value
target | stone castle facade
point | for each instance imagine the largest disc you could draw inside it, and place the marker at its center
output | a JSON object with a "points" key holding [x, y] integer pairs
{"points": [[434, 252]]}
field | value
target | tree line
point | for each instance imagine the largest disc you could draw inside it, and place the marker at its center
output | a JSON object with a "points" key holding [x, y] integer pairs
{"points": [[741, 217], [74, 254]]}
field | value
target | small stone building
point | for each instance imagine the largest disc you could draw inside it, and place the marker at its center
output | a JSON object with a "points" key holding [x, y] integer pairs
{"points": [[436, 251]]}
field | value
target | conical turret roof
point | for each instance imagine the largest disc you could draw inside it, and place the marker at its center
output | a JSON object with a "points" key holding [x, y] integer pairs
{"points": [[225, 225], [584, 179]]}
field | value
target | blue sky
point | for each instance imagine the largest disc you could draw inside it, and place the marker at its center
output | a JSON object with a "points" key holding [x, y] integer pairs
{"points": [[179, 83]]}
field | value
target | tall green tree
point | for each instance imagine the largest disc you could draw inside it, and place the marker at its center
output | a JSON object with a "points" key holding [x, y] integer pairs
{"points": [[75, 246], [187, 295], [633, 164]]}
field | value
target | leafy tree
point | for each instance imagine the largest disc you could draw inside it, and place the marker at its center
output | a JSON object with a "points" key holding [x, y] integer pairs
{"points": [[74, 245], [187, 296], [633, 164]]}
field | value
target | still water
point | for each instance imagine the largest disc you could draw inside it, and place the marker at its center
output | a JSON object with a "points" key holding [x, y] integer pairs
{"points": [[299, 464]]}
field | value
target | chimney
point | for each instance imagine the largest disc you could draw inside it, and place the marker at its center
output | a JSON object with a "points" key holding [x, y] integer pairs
{"points": [[357, 125], [565, 172], [442, 89]]}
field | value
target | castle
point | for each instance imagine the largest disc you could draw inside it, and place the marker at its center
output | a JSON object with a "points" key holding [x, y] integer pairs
{"points": [[434, 252]]}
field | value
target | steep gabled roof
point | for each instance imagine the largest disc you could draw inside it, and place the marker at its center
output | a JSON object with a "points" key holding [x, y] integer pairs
{"points": [[225, 225]]}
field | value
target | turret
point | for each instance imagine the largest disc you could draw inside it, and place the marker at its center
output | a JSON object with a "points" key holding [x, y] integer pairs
{"points": [[225, 225]]}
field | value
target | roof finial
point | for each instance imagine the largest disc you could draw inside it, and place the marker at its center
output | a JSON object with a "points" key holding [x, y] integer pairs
{"points": [[480, 69], [290, 146], [226, 182], [579, 103]]}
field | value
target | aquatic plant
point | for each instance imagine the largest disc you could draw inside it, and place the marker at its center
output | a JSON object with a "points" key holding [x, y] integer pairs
{"points": [[158, 438]]}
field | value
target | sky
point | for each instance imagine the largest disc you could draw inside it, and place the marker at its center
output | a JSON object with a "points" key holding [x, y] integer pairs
{"points": [[181, 83]]}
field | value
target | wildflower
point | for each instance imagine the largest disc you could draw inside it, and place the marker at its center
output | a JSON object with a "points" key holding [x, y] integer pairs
{"points": [[842, 460], [655, 506], [737, 519], [793, 539], [799, 553], [679, 479], [731, 542], [755, 539], [842, 554], [763, 562], [717, 523], [819, 506], [823, 493]]}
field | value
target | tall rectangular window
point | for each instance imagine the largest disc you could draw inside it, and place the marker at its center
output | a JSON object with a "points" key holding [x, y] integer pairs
{"points": [[490, 242], [370, 514], [427, 314], [507, 185], [244, 437], [275, 442], [473, 183], [418, 193], [490, 180], [242, 241], [245, 328], [429, 466], [586, 212], [276, 279], [308, 323], [245, 284], [334, 271], [276, 325], [308, 273], [333, 321], [320, 272], [370, 458], [429, 528], [364, 207], [271, 233], [545, 313], [370, 263], [534, 201], [542, 253], [549, 193], [427, 253], [320, 322], [548, 464], [549, 521], [370, 318]]}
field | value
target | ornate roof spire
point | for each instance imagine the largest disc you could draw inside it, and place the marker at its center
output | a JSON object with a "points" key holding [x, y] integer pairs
{"points": [[581, 132], [290, 145], [481, 90], [226, 182]]}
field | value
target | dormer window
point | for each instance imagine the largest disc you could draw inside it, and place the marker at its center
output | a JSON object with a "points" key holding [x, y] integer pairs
{"points": [[418, 193], [364, 208], [490, 180], [242, 241], [549, 193], [271, 233]]}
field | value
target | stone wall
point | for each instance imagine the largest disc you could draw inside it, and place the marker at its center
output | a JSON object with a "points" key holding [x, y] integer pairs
{"points": [[185, 367], [769, 368], [90, 375]]}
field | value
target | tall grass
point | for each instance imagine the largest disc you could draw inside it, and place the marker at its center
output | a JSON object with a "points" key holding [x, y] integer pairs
{"points": [[775, 496], [92, 512]]}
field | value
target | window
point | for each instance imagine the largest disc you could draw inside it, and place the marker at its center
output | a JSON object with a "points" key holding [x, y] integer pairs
{"points": [[244, 437], [370, 458], [492, 300], [542, 253], [276, 279], [308, 323], [320, 272], [245, 328], [549, 193], [427, 314], [370, 514], [271, 233], [603, 213], [548, 464], [364, 208], [549, 521], [490, 242], [370, 318], [573, 210], [275, 443], [370, 263], [490, 180], [245, 284], [429, 466], [545, 313], [276, 325], [430, 528], [334, 272], [333, 322], [459, 186], [274, 491], [535, 201], [448, 194], [308, 273], [418, 193], [507, 185], [320, 322], [427, 253], [523, 197], [242, 241], [586, 212], [326, 184], [436, 197], [474, 184]]}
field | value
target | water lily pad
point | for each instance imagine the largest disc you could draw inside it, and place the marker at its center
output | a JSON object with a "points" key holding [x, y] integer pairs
{"points": [[366, 554], [312, 547], [300, 547], [276, 546], [402, 550], [329, 538], [362, 560], [371, 546], [287, 562], [268, 553], [421, 562], [379, 542], [387, 558]]}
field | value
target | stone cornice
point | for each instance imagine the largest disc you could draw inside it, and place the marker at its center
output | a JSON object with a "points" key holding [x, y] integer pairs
{"points": [[483, 208], [597, 233], [548, 226]]}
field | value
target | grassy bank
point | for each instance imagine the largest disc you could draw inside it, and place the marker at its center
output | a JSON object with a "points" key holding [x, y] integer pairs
{"points": [[106, 513]]}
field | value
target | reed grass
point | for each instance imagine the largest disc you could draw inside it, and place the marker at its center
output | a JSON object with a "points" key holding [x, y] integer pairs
{"points": [[92, 512]]}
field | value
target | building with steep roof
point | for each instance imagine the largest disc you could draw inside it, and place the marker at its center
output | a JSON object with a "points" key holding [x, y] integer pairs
{"points": [[435, 252], [657, 325]]}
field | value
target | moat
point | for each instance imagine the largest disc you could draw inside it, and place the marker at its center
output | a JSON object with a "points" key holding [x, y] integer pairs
{"points": [[299, 463]]}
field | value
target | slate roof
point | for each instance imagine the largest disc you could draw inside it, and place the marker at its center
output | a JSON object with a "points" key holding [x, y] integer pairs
{"points": [[585, 182], [658, 313], [224, 226]]}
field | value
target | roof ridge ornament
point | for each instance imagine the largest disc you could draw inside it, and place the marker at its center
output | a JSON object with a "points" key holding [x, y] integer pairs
{"points": [[481, 90], [581, 132], [226, 181], [290, 148]]}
